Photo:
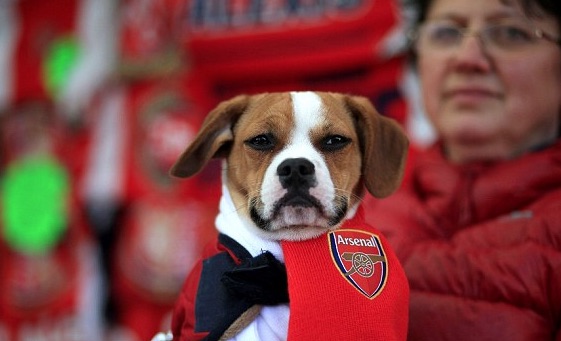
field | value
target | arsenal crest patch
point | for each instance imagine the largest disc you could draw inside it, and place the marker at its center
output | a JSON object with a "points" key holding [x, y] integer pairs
{"points": [[360, 258]]}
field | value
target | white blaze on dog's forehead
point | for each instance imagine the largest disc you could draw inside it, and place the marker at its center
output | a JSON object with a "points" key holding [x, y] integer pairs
{"points": [[307, 113]]}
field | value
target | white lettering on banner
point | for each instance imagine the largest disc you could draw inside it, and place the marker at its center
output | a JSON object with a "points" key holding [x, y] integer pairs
{"points": [[356, 241], [221, 14]]}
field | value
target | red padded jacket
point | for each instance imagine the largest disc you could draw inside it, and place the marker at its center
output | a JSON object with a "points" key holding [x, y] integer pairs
{"points": [[481, 246]]}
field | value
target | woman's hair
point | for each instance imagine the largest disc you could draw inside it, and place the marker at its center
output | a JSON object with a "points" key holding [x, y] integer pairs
{"points": [[530, 7]]}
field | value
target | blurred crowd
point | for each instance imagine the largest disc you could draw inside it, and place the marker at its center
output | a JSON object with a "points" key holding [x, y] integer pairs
{"points": [[97, 100]]}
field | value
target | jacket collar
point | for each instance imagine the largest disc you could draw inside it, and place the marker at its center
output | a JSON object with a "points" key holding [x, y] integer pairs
{"points": [[463, 195]]}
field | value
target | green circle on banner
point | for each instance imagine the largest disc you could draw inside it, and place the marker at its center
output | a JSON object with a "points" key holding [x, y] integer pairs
{"points": [[61, 58], [34, 204]]}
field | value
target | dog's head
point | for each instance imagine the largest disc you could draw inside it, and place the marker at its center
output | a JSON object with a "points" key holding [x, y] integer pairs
{"points": [[298, 163]]}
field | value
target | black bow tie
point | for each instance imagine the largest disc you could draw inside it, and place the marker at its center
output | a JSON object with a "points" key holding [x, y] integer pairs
{"points": [[261, 280]]}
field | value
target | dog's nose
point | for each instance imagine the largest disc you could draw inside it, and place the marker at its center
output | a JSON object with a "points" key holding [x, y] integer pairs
{"points": [[296, 173]]}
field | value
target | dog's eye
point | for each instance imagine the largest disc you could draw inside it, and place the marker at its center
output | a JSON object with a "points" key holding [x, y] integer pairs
{"points": [[261, 142], [334, 142]]}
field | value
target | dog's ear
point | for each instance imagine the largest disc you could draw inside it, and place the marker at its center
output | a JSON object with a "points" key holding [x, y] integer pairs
{"points": [[384, 147], [213, 139]]}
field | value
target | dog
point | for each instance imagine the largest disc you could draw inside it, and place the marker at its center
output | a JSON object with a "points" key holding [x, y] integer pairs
{"points": [[296, 167]]}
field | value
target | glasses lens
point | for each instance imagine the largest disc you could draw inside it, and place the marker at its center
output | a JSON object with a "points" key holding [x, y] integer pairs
{"points": [[440, 35], [509, 37]]}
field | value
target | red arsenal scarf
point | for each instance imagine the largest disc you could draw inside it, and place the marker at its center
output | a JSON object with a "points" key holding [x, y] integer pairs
{"points": [[346, 285]]}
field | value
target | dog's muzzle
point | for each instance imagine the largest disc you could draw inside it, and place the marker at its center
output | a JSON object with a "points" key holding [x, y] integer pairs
{"points": [[298, 201]]}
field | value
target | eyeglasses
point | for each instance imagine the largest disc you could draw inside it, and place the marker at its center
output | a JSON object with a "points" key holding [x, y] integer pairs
{"points": [[445, 36]]}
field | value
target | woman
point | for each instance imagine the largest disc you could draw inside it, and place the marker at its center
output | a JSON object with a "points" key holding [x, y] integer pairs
{"points": [[477, 224]]}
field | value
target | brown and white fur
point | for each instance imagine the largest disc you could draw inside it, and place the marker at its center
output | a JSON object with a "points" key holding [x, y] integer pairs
{"points": [[296, 166]]}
